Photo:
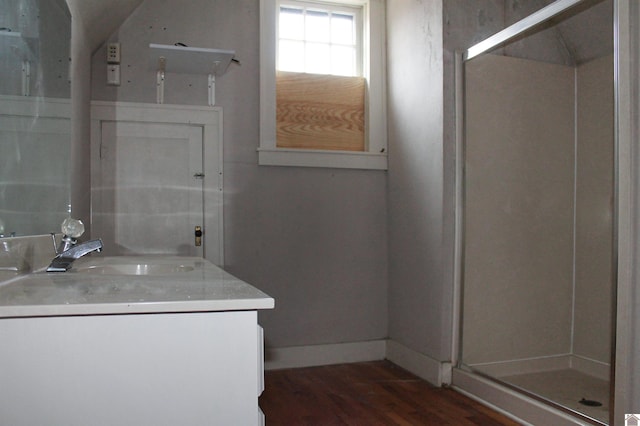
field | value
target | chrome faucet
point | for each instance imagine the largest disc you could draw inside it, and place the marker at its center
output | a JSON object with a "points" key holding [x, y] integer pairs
{"points": [[62, 262]]}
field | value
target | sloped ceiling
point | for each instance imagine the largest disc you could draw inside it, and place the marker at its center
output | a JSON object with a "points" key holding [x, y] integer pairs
{"points": [[583, 33], [584, 38], [101, 18], [589, 33]]}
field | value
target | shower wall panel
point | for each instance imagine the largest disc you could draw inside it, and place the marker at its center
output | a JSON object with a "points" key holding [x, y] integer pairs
{"points": [[594, 210], [519, 209]]}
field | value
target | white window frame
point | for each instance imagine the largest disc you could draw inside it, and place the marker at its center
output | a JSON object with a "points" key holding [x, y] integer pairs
{"points": [[375, 154]]}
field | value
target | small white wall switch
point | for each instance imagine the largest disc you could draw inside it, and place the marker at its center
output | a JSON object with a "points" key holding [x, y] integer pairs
{"points": [[113, 75], [113, 53]]}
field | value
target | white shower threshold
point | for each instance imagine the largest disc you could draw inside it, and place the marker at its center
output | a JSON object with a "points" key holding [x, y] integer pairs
{"points": [[517, 405]]}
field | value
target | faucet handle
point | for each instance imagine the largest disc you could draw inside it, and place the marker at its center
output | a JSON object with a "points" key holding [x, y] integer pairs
{"points": [[72, 227]]}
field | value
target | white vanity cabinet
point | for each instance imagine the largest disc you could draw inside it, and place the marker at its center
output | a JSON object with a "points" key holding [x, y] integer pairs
{"points": [[169, 360]]}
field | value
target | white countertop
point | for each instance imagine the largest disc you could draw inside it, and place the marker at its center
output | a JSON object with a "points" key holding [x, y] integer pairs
{"points": [[178, 284]]}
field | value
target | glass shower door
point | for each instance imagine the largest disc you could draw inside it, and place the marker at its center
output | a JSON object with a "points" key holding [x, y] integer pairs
{"points": [[537, 268]]}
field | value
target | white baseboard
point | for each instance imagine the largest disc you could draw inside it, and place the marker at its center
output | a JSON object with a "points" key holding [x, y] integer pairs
{"points": [[314, 355], [429, 369]]}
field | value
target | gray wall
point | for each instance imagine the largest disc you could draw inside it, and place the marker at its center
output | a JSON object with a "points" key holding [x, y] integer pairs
{"points": [[420, 299], [314, 239]]}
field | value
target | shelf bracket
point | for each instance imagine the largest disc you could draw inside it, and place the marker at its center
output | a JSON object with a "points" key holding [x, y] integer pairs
{"points": [[212, 83], [212, 90], [189, 60], [162, 65]]}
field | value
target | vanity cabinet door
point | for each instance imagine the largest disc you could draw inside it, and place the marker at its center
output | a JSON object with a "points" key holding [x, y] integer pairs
{"points": [[158, 369]]}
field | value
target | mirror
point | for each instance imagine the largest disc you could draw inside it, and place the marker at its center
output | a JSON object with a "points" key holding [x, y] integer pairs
{"points": [[35, 111]]}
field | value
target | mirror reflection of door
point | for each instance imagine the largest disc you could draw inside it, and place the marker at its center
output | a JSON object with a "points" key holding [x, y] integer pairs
{"points": [[35, 112], [34, 177], [152, 176]]}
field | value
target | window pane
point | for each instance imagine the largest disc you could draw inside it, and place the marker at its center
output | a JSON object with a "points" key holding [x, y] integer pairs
{"points": [[289, 56], [328, 40], [343, 60], [318, 58], [342, 29], [317, 26], [291, 24]]}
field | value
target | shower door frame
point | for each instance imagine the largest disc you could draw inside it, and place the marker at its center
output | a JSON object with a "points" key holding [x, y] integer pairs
{"points": [[501, 396]]}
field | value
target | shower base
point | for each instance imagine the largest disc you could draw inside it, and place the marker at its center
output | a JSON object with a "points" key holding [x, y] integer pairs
{"points": [[549, 397], [567, 387]]}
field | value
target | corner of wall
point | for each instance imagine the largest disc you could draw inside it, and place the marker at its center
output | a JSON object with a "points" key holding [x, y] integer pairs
{"points": [[80, 117], [420, 236], [436, 372]]}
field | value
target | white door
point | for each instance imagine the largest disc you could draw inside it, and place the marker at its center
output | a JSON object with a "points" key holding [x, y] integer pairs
{"points": [[152, 188]]}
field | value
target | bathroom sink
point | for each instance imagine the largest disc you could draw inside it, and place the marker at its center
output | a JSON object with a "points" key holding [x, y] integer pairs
{"points": [[134, 269]]}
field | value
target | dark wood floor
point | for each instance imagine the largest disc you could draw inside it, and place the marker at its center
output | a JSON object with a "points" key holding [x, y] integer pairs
{"points": [[370, 393]]}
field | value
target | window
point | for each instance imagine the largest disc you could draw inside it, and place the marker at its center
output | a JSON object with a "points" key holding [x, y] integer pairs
{"points": [[322, 84], [318, 39]]}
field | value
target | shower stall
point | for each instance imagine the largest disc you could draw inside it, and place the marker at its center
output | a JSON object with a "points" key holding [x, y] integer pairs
{"points": [[537, 191]]}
